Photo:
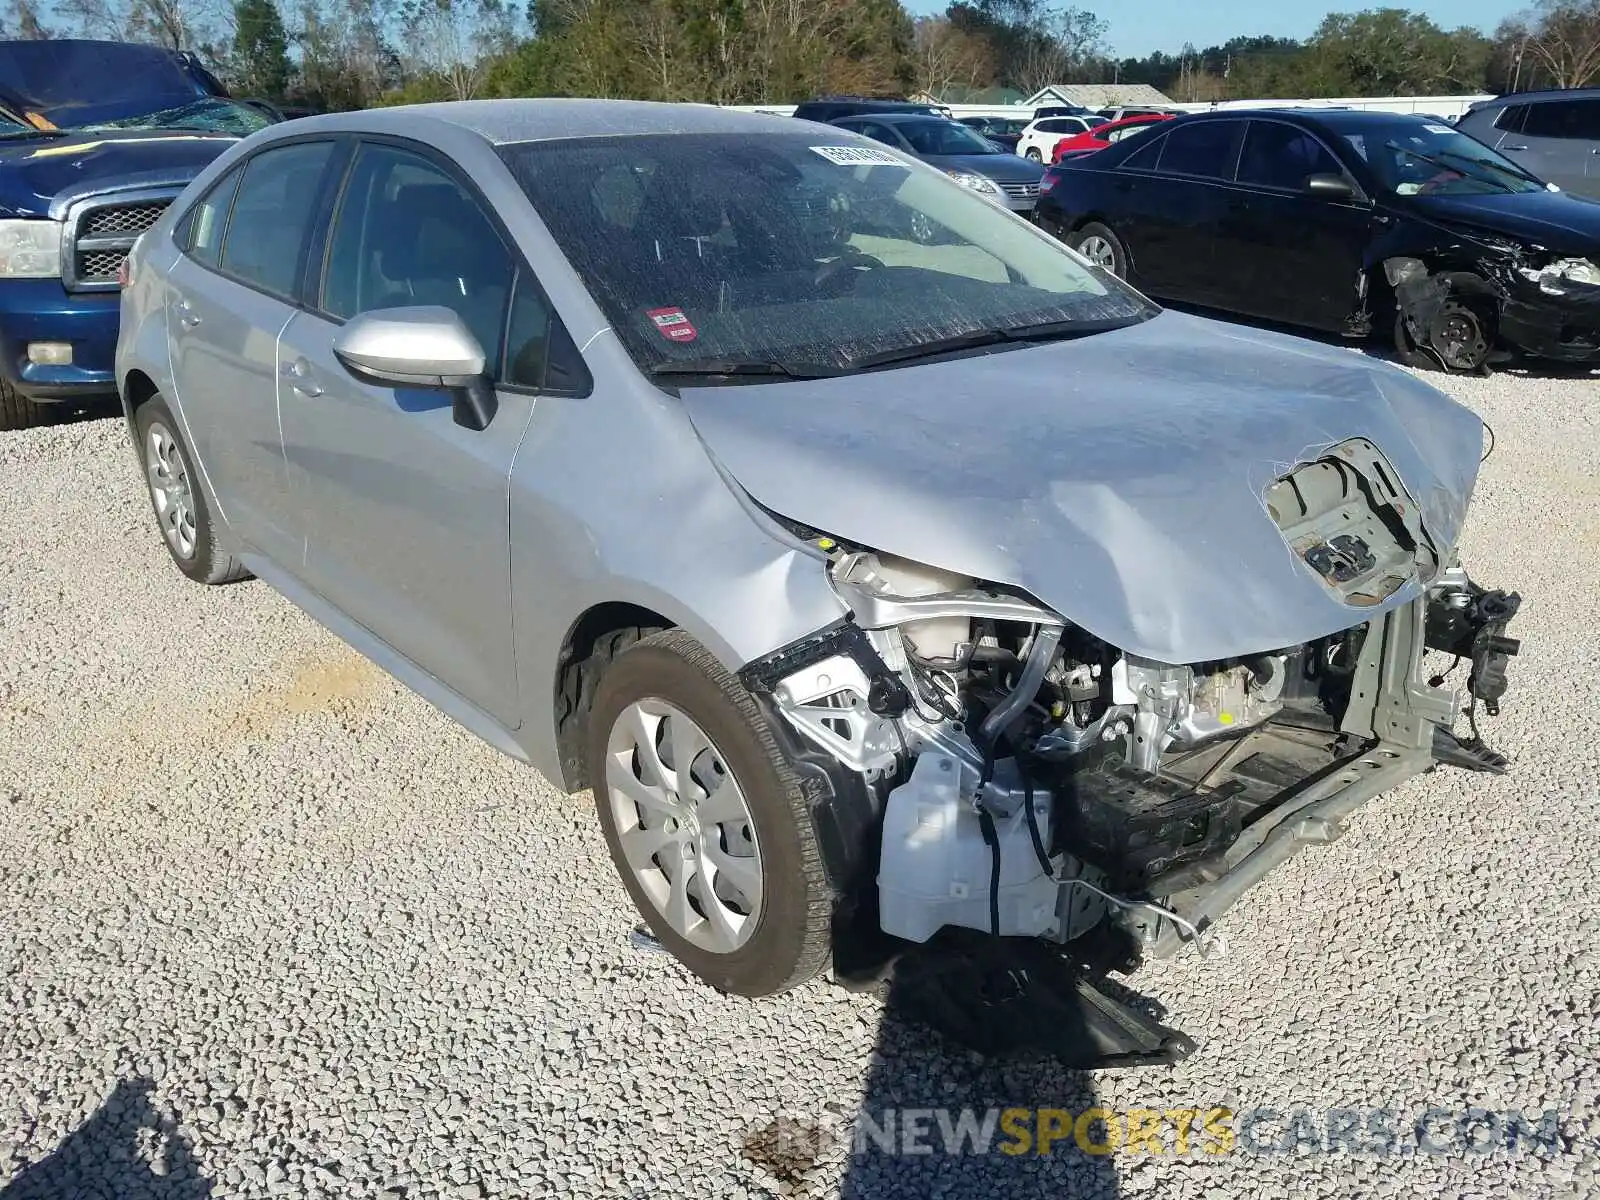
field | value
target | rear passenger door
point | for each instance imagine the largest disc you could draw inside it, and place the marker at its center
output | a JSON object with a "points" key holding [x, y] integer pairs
{"points": [[404, 511], [231, 292], [1174, 196]]}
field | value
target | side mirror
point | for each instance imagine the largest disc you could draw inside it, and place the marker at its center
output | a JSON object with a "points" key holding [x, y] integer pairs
{"points": [[421, 347], [1328, 187]]}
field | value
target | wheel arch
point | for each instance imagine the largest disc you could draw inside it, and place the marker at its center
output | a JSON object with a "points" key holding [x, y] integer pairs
{"points": [[592, 641]]}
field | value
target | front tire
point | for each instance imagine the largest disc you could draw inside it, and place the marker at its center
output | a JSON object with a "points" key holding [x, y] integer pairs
{"points": [[17, 411], [706, 819], [179, 502]]}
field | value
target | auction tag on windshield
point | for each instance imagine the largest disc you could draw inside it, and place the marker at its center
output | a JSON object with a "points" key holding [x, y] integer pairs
{"points": [[857, 156], [674, 324], [1438, 129]]}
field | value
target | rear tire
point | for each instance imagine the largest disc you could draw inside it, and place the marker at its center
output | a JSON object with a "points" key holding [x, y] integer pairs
{"points": [[17, 411], [721, 857], [178, 499], [1034, 156], [1102, 247]]}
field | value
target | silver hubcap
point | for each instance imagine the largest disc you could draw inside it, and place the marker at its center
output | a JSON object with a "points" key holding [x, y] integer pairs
{"points": [[1098, 251], [684, 826], [170, 490]]}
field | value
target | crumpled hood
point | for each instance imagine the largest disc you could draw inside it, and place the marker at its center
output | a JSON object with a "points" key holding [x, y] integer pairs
{"points": [[34, 170], [1117, 479], [77, 81], [1564, 223]]}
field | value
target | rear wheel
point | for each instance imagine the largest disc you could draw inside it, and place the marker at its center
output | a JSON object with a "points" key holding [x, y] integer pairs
{"points": [[17, 411], [1034, 155], [1101, 247], [706, 820], [180, 506]]}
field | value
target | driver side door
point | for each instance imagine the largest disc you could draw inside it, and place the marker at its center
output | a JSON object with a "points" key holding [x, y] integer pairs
{"points": [[1295, 257], [405, 511]]}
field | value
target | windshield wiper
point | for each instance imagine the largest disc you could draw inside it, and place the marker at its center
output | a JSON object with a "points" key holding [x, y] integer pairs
{"points": [[1510, 169], [713, 367], [1044, 331]]}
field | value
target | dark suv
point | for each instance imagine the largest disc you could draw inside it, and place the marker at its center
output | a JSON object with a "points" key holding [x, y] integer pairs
{"points": [[96, 139], [1555, 135], [834, 107]]}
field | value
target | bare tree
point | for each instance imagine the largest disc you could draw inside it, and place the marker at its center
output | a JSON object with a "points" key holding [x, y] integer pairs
{"points": [[947, 57], [1564, 40], [24, 19], [451, 39]]}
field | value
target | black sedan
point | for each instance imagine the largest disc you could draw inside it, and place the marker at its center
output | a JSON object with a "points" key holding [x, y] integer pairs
{"points": [[1343, 221]]}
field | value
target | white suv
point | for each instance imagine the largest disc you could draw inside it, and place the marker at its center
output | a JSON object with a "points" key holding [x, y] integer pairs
{"points": [[1039, 139]]}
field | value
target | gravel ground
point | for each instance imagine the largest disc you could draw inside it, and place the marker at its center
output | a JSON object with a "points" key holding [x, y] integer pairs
{"points": [[271, 926]]}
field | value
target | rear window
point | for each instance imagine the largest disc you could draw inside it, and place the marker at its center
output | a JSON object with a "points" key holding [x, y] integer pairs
{"points": [[796, 249], [1574, 119], [1206, 149]]}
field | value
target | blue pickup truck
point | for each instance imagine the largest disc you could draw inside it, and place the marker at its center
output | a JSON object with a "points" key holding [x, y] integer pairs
{"points": [[96, 139]]}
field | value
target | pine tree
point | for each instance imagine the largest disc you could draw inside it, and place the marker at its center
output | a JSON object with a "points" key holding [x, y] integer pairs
{"points": [[260, 49]]}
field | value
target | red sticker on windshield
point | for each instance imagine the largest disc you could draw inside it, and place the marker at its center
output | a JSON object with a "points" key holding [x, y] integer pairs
{"points": [[674, 324]]}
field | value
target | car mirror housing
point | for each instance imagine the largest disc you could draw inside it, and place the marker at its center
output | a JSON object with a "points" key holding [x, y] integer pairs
{"points": [[422, 346], [1329, 186]]}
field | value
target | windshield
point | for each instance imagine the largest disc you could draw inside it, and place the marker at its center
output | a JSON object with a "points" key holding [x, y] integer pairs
{"points": [[944, 137], [1424, 159], [796, 250], [210, 115]]}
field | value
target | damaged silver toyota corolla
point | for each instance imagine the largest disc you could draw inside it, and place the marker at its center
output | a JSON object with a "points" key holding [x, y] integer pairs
{"points": [[883, 567]]}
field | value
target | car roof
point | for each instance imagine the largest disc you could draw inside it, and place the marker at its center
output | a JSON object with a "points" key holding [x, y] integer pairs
{"points": [[1332, 119], [1550, 94], [895, 118], [501, 122]]}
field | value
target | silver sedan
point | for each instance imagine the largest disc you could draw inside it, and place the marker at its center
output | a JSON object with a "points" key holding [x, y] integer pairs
{"points": [[876, 584]]}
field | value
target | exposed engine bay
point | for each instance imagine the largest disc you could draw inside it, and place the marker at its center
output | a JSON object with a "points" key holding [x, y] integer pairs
{"points": [[1033, 781]]}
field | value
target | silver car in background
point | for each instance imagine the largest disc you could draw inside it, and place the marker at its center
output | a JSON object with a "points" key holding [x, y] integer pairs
{"points": [[875, 586]]}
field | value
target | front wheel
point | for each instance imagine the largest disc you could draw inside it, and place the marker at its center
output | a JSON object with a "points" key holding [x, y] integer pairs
{"points": [[706, 820], [17, 411], [1461, 334]]}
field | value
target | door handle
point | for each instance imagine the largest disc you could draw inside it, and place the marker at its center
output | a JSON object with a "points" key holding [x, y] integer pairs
{"points": [[1513, 147], [298, 373], [187, 317]]}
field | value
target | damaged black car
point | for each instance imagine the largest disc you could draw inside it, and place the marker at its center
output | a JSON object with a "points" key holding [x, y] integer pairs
{"points": [[1358, 223]]}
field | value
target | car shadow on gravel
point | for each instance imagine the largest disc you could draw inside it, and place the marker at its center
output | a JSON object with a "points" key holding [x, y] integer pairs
{"points": [[980, 1081], [126, 1151]]}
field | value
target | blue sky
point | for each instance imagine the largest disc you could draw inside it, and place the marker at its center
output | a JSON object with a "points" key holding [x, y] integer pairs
{"points": [[1140, 26]]}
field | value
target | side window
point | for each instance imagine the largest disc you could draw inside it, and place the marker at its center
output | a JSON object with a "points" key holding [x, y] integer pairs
{"points": [[1205, 148], [1576, 119], [878, 133], [1281, 156], [203, 224], [272, 213], [527, 335], [1146, 156], [406, 233], [1511, 117]]}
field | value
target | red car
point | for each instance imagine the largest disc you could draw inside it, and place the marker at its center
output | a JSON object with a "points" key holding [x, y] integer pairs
{"points": [[1102, 136]]}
